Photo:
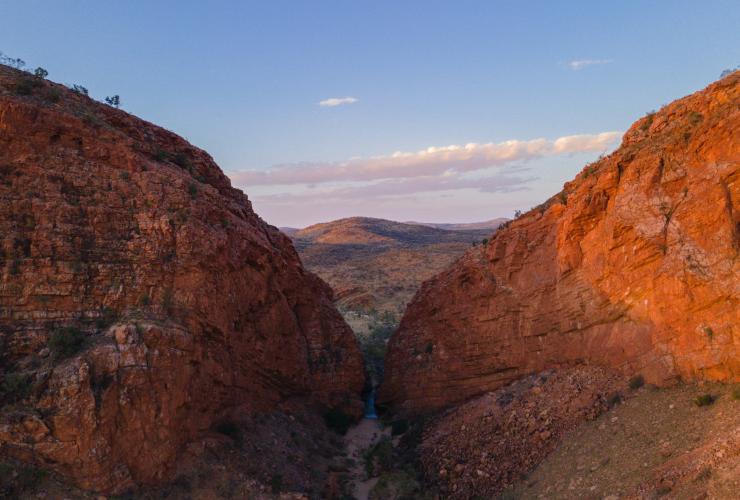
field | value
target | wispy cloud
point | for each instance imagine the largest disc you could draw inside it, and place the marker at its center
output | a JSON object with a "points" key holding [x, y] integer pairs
{"points": [[337, 101], [579, 64], [433, 161]]}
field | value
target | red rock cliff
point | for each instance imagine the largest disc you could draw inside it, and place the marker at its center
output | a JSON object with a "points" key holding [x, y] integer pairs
{"points": [[191, 307], [634, 266]]}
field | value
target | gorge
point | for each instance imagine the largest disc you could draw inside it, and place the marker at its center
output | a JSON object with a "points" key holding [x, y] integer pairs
{"points": [[159, 338]]}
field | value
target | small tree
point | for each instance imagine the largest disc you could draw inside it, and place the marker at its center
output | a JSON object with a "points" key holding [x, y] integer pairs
{"points": [[114, 101], [517, 214], [41, 73], [79, 89]]}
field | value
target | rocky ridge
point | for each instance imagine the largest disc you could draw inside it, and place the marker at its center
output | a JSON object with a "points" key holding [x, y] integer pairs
{"points": [[633, 267], [142, 301]]}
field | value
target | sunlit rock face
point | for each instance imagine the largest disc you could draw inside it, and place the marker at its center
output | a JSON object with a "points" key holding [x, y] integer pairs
{"points": [[141, 298], [635, 266]]}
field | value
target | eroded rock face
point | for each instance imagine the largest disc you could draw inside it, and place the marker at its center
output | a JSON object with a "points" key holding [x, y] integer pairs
{"points": [[635, 266], [192, 308]]}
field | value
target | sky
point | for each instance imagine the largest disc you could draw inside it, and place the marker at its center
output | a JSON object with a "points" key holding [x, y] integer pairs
{"points": [[433, 111]]}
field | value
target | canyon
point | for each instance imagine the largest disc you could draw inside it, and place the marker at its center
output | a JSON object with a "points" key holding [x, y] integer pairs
{"points": [[159, 339]]}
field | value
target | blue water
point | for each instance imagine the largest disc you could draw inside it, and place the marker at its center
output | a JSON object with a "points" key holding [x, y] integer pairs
{"points": [[370, 405]]}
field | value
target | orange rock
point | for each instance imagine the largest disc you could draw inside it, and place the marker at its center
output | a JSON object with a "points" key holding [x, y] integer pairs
{"points": [[634, 266], [193, 309]]}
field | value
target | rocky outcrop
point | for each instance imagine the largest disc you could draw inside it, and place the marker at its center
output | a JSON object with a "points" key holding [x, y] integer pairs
{"points": [[634, 266], [479, 448], [142, 301]]}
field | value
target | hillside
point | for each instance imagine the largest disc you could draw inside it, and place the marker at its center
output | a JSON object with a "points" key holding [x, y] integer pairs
{"points": [[147, 314], [376, 264], [463, 226], [633, 266], [625, 281]]}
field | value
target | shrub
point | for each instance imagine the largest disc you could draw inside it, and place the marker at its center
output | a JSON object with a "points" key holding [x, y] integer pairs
{"points": [[40, 73], [114, 101], [145, 300], [181, 160], [484, 241], [397, 484], [107, 317], [695, 118], [79, 89], [636, 382], [52, 95], [193, 190], [736, 393], [399, 427], [709, 332], [429, 348], [379, 458], [648, 121], [27, 86], [66, 342], [160, 155], [517, 214], [16, 386], [276, 483], [230, 429], [704, 400], [338, 421], [614, 399]]}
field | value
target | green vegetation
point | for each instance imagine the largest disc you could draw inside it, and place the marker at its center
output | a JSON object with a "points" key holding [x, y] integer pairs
{"points": [[40, 73], [106, 318], [181, 160], [397, 484], [379, 458], [66, 342], [636, 382], [399, 427], [193, 190], [114, 101], [145, 300], [15, 387], [708, 332], [79, 89], [704, 400], [232, 430], [276, 483], [614, 399], [15, 480], [695, 118], [736, 393], [648, 121], [27, 86], [338, 421], [52, 95]]}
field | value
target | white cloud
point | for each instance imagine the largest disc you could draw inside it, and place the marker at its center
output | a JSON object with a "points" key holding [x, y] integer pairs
{"points": [[433, 161], [337, 101], [582, 63]]}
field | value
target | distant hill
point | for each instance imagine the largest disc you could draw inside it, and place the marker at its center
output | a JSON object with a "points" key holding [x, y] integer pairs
{"points": [[464, 226], [378, 264]]}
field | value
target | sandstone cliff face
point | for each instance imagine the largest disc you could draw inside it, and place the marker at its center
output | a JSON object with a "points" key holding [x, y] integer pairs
{"points": [[634, 266], [192, 308]]}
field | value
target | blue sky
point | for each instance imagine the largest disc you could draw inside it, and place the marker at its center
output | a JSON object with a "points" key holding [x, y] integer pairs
{"points": [[243, 80]]}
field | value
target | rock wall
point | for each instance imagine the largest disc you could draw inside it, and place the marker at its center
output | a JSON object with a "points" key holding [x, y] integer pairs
{"points": [[122, 237], [634, 266]]}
